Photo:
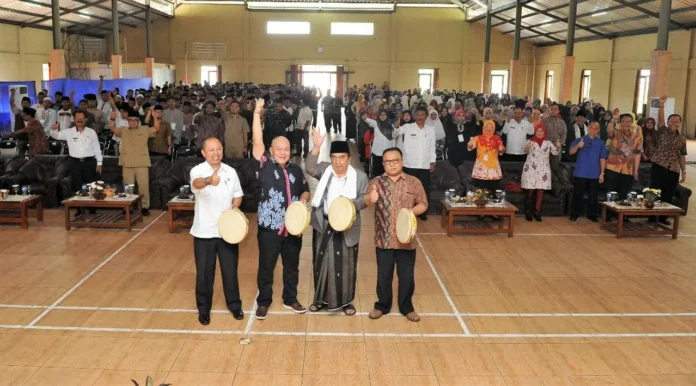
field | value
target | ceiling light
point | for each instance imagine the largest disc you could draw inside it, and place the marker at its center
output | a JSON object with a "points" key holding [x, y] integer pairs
{"points": [[268, 5], [599, 14], [224, 2], [425, 5], [480, 3], [357, 6], [281, 5], [84, 15]]}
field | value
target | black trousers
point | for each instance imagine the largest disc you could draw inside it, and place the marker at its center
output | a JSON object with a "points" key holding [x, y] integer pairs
{"points": [[300, 136], [336, 121], [271, 244], [514, 157], [423, 175], [315, 123], [580, 187], [377, 165], [617, 182], [665, 180], [82, 171], [405, 261], [490, 185], [207, 252]]}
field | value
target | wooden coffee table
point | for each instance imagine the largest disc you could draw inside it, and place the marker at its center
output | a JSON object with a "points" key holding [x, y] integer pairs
{"points": [[622, 228], [506, 210], [178, 213], [21, 204], [122, 219]]}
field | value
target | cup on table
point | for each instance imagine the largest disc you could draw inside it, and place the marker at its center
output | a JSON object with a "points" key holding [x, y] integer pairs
{"points": [[15, 189], [4, 193]]}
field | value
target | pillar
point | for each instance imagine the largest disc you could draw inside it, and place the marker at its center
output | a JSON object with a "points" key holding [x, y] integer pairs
{"points": [[339, 81], [661, 57], [516, 74], [116, 66], [116, 58], [567, 68], [149, 67], [486, 68], [57, 64], [570, 37], [486, 78], [55, 14]]}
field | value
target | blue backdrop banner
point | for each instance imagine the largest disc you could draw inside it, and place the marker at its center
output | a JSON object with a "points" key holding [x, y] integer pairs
{"points": [[23, 89], [83, 87]]}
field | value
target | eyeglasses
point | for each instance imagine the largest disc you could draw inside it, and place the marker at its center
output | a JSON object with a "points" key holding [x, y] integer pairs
{"points": [[391, 161]]}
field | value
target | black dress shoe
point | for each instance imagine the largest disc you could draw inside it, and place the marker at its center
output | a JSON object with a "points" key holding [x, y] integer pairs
{"points": [[593, 219], [204, 319], [537, 216], [237, 314], [423, 217], [573, 218], [528, 217], [146, 212]]}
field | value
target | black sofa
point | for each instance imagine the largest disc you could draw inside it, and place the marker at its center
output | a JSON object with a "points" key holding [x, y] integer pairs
{"points": [[555, 200], [112, 174], [10, 167], [444, 177], [43, 173], [681, 194], [179, 174]]}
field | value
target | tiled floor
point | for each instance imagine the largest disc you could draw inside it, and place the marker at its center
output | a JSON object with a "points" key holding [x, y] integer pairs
{"points": [[559, 304]]}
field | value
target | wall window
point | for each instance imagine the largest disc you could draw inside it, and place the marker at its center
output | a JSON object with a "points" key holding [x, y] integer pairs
{"points": [[287, 28], [585, 85], [425, 78], [367, 29], [641, 99], [46, 70], [548, 90], [499, 82], [209, 74]]}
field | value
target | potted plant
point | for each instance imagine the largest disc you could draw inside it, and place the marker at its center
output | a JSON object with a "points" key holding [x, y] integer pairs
{"points": [[481, 197], [651, 196], [99, 193]]}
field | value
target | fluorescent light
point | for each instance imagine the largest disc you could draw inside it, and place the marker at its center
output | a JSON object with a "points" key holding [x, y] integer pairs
{"points": [[224, 2], [320, 6], [599, 14], [424, 5], [84, 15], [281, 5]]}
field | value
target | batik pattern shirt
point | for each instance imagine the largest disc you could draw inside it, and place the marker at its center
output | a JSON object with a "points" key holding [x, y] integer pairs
{"points": [[280, 186], [670, 148]]}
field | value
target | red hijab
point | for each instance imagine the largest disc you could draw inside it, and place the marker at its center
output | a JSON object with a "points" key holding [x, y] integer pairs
{"points": [[535, 138]]}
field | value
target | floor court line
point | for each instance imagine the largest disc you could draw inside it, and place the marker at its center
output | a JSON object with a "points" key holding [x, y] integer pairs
{"points": [[442, 286], [95, 270]]}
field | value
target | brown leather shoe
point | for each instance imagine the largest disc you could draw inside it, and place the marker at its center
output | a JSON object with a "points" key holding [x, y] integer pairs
{"points": [[261, 312], [296, 308], [375, 314], [413, 317]]}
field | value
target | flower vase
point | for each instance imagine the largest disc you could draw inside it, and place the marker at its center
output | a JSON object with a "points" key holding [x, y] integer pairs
{"points": [[649, 201]]}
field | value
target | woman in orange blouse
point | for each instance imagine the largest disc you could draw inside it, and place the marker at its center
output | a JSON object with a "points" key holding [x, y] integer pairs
{"points": [[487, 173]]}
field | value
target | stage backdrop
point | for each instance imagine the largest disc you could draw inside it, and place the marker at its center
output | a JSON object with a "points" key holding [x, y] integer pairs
{"points": [[83, 87], [22, 89]]}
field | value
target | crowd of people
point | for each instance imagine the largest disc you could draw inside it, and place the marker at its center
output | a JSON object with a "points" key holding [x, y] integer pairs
{"points": [[399, 134]]}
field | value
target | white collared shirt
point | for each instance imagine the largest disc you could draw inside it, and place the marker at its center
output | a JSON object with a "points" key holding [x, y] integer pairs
{"points": [[517, 133], [334, 190], [380, 143], [64, 120], [417, 145], [80, 145], [211, 201], [47, 117]]}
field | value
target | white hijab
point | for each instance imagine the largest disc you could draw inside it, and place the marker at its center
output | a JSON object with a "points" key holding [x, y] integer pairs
{"points": [[436, 124]]}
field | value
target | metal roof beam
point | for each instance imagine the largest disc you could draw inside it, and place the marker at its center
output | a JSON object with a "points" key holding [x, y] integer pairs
{"points": [[30, 25], [67, 10], [643, 31], [144, 7], [41, 27], [103, 8], [73, 10], [649, 13], [565, 20], [535, 31], [512, 21]]}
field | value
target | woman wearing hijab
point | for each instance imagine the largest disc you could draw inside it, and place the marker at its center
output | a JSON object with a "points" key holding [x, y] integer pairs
{"points": [[434, 121], [536, 174], [489, 116], [459, 133], [444, 116], [650, 139], [604, 121], [487, 173], [383, 139]]}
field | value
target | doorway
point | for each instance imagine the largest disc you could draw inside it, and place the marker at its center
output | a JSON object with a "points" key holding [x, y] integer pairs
{"points": [[209, 74], [321, 77]]}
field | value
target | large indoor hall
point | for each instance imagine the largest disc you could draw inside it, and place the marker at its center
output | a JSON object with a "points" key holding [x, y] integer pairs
{"points": [[416, 192]]}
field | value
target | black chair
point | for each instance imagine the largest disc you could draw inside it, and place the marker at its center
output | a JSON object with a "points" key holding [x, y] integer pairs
{"points": [[57, 147], [22, 147], [186, 151], [9, 143]]}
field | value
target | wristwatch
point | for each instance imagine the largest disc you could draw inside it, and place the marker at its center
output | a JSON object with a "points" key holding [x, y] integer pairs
{"points": [[207, 180]]}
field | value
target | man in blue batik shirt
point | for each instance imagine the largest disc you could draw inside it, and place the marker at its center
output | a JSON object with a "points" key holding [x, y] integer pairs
{"points": [[589, 171]]}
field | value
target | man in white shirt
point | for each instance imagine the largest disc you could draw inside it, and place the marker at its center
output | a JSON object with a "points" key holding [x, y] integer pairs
{"points": [[517, 131], [85, 153], [417, 143], [217, 189], [304, 123], [175, 118], [47, 115]]}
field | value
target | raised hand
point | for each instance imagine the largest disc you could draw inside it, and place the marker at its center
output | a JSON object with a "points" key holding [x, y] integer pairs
{"points": [[317, 138], [558, 143], [114, 115], [215, 179], [581, 144], [55, 126], [259, 105]]}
